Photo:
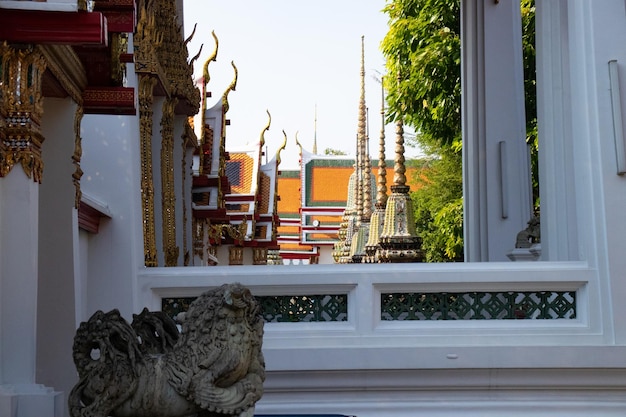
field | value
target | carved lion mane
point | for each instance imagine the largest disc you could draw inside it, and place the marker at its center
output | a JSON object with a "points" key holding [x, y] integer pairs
{"points": [[213, 367]]}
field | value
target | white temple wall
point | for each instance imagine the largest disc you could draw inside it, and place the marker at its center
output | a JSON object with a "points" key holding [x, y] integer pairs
{"points": [[58, 248], [496, 170], [111, 165], [604, 223], [19, 231]]}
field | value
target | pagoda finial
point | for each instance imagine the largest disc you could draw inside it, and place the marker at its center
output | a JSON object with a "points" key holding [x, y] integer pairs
{"points": [[399, 179], [360, 234], [377, 221], [381, 189], [399, 240], [363, 139]]}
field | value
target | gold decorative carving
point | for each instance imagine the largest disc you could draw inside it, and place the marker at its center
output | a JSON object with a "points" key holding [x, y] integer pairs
{"points": [[231, 87], [173, 56], [199, 231], [67, 68], [259, 256], [146, 91], [21, 108], [146, 40], [168, 197], [78, 153], [205, 80], [119, 46], [188, 137], [235, 232], [225, 107], [235, 255], [85, 5]]}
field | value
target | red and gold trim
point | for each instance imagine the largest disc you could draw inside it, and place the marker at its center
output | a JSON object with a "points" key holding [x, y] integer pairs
{"points": [[109, 100]]}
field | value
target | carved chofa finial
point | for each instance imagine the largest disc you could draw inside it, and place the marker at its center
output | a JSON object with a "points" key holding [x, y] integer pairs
{"points": [[205, 80], [298, 143], [281, 148], [193, 32], [192, 61], [212, 58], [265, 129], [231, 87]]}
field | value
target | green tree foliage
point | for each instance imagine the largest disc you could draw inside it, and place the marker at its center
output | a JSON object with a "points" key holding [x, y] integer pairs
{"points": [[423, 53], [438, 205], [331, 151]]}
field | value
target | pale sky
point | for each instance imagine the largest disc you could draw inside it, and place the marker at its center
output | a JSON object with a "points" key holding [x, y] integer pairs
{"points": [[292, 57]]}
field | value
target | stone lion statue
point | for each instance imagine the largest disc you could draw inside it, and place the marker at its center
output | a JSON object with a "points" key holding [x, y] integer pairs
{"points": [[213, 367]]}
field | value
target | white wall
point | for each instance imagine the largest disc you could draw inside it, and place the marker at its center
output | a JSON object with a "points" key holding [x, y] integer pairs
{"points": [[58, 246], [111, 165]]}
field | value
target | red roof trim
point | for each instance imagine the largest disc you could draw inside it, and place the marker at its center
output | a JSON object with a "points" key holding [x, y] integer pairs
{"points": [[89, 217], [51, 27]]}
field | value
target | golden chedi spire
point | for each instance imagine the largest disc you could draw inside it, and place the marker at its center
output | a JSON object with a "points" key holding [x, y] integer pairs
{"points": [[399, 240], [364, 176], [377, 221]]}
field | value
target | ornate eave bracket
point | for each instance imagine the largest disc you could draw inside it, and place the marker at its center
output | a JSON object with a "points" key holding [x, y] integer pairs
{"points": [[145, 43], [21, 108]]}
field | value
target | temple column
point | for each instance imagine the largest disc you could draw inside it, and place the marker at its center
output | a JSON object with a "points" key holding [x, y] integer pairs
{"points": [[146, 101], [497, 188], [58, 246], [559, 234], [21, 171]]}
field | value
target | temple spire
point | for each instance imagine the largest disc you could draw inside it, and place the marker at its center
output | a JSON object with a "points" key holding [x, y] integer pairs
{"points": [[377, 221], [399, 240], [356, 212], [366, 167], [364, 175]]}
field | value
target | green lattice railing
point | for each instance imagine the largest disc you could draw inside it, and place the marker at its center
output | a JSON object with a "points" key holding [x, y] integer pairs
{"points": [[503, 305], [287, 308]]}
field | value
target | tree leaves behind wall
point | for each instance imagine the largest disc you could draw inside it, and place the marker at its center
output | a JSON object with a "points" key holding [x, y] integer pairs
{"points": [[438, 203], [423, 53]]}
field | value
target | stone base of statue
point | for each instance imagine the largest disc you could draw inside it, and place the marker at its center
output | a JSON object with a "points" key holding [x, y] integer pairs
{"points": [[533, 253], [213, 367]]}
